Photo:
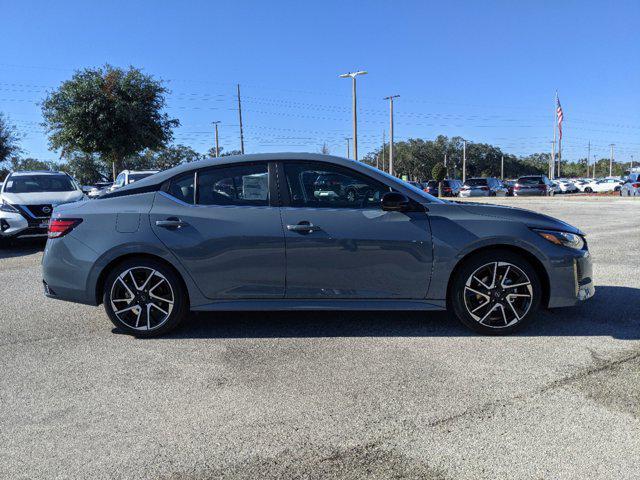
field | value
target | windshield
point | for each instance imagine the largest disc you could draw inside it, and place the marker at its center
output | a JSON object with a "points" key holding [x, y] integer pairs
{"points": [[134, 177], [39, 183], [530, 180], [475, 182]]}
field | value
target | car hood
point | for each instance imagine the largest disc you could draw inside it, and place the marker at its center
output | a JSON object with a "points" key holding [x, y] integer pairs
{"points": [[40, 198], [531, 219]]}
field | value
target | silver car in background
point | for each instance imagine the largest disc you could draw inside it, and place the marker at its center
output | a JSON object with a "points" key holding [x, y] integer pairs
{"points": [[255, 232], [483, 187]]}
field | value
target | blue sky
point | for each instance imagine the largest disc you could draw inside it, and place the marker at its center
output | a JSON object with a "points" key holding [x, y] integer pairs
{"points": [[484, 70]]}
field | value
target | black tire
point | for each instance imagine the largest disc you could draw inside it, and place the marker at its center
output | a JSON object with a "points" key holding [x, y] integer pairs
{"points": [[588, 190], [157, 323], [498, 321]]}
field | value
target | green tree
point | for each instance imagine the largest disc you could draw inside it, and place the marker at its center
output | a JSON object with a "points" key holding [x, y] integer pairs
{"points": [[439, 173], [8, 140], [108, 111], [162, 159], [86, 168]]}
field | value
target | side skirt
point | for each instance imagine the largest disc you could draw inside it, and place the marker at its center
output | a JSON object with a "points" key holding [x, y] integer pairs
{"points": [[320, 304]]}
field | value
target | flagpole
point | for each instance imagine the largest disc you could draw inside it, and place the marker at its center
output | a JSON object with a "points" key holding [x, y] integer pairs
{"points": [[552, 163]]}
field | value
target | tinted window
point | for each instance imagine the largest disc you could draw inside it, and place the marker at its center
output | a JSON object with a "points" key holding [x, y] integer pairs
{"points": [[328, 186], [475, 182], [234, 185], [181, 188], [530, 180], [134, 177], [39, 183]]}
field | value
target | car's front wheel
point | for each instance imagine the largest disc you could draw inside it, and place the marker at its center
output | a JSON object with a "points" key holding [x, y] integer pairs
{"points": [[144, 297], [495, 292]]}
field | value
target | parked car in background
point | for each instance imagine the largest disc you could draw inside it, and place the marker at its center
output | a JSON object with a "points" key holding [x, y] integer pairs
{"points": [[604, 185], [631, 186], [450, 187], [582, 183], [566, 186], [27, 199], [98, 189], [415, 184], [129, 176], [483, 187], [509, 184], [533, 185], [180, 241]]}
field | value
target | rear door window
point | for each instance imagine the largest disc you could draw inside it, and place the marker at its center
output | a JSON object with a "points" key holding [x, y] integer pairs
{"points": [[240, 185]]}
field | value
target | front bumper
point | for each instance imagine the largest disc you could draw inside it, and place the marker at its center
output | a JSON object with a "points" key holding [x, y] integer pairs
{"points": [[15, 225], [571, 280]]}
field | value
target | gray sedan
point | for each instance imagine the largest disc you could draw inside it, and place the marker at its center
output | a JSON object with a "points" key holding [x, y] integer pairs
{"points": [[256, 232]]}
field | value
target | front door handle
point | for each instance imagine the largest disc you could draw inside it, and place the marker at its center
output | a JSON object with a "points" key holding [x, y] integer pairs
{"points": [[303, 227], [171, 222]]}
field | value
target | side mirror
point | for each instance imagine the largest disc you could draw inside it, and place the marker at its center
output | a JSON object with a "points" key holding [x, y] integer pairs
{"points": [[395, 202]]}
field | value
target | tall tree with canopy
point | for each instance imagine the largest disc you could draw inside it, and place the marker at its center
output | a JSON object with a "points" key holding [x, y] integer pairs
{"points": [[108, 111]]}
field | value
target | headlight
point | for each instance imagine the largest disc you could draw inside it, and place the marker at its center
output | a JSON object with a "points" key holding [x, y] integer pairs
{"points": [[7, 207], [564, 239]]}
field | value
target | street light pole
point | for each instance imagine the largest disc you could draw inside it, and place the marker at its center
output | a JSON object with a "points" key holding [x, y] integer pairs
{"points": [[588, 157], [611, 160], [390, 98], [502, 167], [353, 76], [348, 151], [464, 161], [240, 119], [215, 125]]}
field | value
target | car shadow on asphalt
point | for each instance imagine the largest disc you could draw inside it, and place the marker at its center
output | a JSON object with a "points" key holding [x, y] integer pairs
{"points": [[613, 312], [22, 248]]}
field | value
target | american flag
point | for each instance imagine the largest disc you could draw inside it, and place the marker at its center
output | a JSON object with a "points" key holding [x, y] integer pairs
{"points": [[560, 116]]}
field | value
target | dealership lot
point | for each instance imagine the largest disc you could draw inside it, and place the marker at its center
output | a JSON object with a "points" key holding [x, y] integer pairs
{"points": [[330, 395]]}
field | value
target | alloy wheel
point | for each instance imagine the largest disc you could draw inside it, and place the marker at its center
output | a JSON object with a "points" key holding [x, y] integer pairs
{"points": [[498, 295], [142, 298]]}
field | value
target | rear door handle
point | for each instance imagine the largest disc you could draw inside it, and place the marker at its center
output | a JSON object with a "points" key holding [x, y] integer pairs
{"points": [[171, 223], [303, 227]]}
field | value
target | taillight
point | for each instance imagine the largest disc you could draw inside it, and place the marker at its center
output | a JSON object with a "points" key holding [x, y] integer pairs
{"points": [[59, 227], [447, 189], [635, 185], [484, 188], [516, 187]]}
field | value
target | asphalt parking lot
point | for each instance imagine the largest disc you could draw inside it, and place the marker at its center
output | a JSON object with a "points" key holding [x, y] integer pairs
{"points": [[329, 395]]}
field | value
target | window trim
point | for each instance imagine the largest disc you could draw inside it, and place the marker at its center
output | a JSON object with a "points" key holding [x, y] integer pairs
{"points": [[284, 191], [271, 202]]}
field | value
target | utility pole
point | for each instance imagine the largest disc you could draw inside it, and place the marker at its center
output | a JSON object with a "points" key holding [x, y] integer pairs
{"points": [[594, 167], [464, 161], [383, 143], [240, 118], [348, 151], [390, 98], [502, 167], [611, 160], [353, 76], [445, 164], [588, 157], [552, 161], [631, 164], [215, 125]]}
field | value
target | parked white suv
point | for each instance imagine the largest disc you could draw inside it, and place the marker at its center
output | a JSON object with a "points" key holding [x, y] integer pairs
{"points": [[126, 177], [27, 199]]}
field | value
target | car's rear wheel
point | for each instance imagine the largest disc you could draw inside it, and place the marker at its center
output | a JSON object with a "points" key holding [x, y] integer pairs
{"points": [[495, 292], [588, 190], [144, 297]]}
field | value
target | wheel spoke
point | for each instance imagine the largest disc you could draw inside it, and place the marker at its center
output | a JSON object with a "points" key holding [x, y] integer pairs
{"points": [[514, 311], [153, 272], [153, 295], [148, 317], [138, 317], [486, 315], [504, 314], [157, 307], [481, 283], [126, 286], [495, 273], [133, 280], [481, 305], [504, 277], [127, 309], [515, 285], [477, 292]]}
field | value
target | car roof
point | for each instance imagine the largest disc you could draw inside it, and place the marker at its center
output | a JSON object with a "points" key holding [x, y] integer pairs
{"points": [[129, 172], [163, 176], [21, 173]]}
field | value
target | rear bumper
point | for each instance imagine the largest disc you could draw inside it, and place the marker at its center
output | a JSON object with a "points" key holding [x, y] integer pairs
{"points": [[529, 193], [472, 193]]}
